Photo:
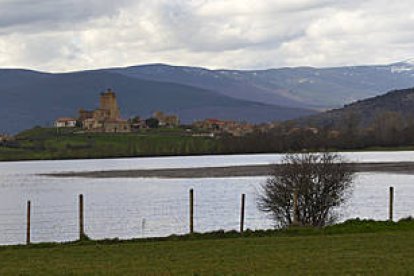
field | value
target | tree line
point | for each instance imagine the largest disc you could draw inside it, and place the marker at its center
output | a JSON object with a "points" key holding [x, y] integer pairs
{"points": [[388, 129]]}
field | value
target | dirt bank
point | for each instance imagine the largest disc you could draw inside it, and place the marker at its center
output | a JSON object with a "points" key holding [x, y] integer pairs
{"points": [[234, 171]]}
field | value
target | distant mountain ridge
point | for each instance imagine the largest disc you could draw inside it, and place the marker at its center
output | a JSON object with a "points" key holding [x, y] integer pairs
{"points": [[31, 97], [304, 87]]}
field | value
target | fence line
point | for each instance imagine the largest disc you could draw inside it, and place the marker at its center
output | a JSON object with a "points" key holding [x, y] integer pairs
{"points": [[136, 219]]}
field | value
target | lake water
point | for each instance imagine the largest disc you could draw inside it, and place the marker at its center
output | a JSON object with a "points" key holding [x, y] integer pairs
{"points": [[148, 207]]}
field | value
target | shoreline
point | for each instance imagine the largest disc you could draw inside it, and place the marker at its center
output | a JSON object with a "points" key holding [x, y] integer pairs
{"points": [[372, 149], [230, 171]]}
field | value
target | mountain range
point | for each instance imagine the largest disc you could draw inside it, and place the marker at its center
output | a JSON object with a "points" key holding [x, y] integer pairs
{"points": [[31, 98], [304, 87]]}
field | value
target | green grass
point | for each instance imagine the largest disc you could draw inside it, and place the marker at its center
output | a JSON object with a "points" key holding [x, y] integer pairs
{"points": [[50, 143], [373, 248], [399, 148], [46, 143]]}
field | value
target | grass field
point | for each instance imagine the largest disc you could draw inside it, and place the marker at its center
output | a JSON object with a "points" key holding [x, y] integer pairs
{"points": [[352, 248], [52, 144], [48, 143]]}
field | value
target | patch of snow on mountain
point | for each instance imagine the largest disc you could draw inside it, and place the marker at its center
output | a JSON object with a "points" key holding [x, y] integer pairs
{"points": [[404, 66], [305, 80], [401, 68], [409, 61]]}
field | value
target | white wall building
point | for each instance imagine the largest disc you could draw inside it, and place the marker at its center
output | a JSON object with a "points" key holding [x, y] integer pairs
{"points": [[65, 122]]}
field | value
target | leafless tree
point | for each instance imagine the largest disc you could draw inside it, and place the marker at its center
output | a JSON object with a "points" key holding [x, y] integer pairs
{"points": [[321, 182]]}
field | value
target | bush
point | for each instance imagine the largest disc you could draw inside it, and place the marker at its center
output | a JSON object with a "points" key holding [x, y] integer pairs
{"points": [[305, 189]]}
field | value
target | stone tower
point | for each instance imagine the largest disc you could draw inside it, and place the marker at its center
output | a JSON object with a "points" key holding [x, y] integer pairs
{"points": [[108, 102]]}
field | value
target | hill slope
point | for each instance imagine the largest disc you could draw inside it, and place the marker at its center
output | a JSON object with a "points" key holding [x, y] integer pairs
{"points": [[365, 112], [30, 98]]}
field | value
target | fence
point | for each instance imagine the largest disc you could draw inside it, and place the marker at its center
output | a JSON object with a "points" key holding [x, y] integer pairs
{"points": [[65, 222]]}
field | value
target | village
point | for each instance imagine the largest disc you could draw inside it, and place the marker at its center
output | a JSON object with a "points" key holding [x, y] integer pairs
{"points": [[107, 119]]}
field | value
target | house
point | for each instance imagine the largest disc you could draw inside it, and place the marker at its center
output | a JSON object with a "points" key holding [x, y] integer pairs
{"points": [[166, 120], [3, 138], [65, 122], [85, 114], [240, 129], [116, 126], [212, 124], [312, 130], [138, 123], [230, 127]]}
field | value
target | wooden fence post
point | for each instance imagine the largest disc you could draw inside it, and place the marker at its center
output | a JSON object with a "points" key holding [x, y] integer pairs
{"points": [[28, 223], [295, 208], [243, 199], [191, 211], [81, 218], [391, 206]]}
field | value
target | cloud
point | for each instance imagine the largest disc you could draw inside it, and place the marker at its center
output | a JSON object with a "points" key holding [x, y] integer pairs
{"points": [[26, 15], [62, 35]]}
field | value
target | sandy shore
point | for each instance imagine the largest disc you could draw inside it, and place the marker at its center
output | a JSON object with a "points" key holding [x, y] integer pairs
{"points": [[234, 171]]}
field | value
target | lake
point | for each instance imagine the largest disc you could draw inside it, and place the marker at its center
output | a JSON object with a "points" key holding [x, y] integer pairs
{"points": [[151, 207]]}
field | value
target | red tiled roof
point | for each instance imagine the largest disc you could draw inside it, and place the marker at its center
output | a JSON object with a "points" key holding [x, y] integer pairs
{"points": [[65, 119]]}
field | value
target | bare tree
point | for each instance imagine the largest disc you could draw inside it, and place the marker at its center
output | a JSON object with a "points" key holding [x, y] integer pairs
{"points": [[320, 181]]}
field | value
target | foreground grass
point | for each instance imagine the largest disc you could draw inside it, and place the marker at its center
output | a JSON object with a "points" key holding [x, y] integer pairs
{"points": [[370, 248]]}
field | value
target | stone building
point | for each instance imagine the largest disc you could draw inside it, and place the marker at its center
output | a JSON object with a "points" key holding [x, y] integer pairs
{"points": [[5, 138], [85, 114], [107, 118], [166, 120], [230, 127], [109, 106]]}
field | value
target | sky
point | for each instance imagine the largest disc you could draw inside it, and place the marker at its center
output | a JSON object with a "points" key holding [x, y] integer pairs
{"points": [[70, 35]]}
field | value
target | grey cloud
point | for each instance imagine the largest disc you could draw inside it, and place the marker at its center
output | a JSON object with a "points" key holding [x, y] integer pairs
{"points": [[26, 14], [74, 34]]}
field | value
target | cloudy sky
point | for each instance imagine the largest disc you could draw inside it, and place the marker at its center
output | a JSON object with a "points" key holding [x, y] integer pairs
{"points": [[66, 35]]}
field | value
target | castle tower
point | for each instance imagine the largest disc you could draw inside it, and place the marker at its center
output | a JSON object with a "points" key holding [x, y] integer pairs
{"points": [[108, 102]]}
